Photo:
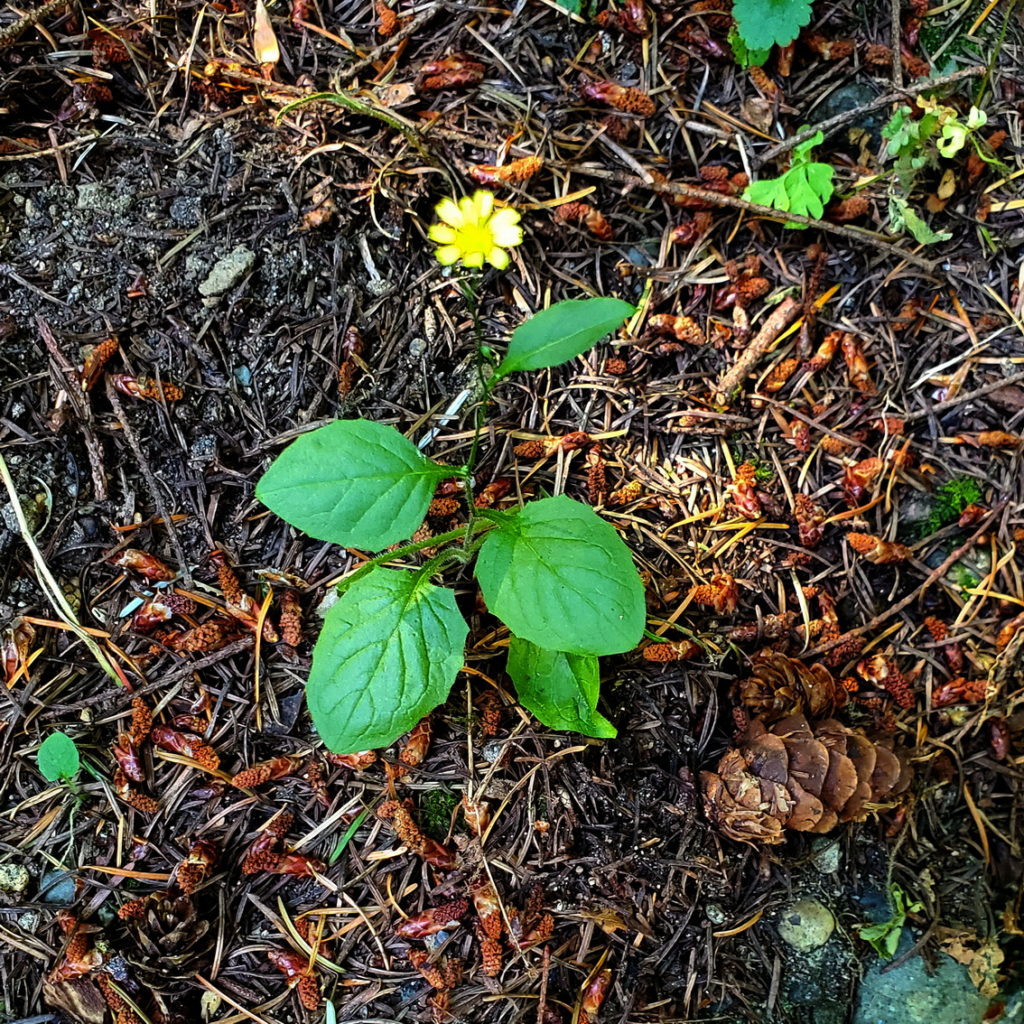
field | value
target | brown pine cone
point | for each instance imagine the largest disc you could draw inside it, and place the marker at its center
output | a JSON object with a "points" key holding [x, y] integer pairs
{"points": [[790, 777], [779, 686]]}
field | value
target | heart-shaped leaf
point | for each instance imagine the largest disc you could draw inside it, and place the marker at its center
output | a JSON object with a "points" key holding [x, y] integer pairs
{"points": [[559, 576], [353, 482], [559, 689], [389, 652], [561, 332]]}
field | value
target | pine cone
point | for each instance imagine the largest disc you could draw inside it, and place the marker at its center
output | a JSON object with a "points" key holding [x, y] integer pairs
{"points": [[779, 686], [174, 940], [787, 777]]}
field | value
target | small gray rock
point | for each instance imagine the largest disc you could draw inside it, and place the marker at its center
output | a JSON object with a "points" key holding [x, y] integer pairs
{"points": [[827, 855], [806, 925], [228, 271]]}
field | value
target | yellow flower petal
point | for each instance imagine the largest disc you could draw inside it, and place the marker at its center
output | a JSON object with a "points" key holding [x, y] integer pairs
{"points": [[498, 258], [484, 202], [507, 235], [473, 259], [447, 255], [447, 211], [441, 233], [467, 210]]}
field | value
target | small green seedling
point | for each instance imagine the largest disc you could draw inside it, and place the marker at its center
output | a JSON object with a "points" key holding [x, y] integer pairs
{"points": [[805, 188], [884, 938], [553, 571], [58, 758], [916, 143]]}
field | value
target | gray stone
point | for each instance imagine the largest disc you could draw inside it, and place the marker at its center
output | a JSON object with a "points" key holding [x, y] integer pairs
{"points": [[57, 887], [228, 271], [909, 995], [806, 925], [827, 854]]}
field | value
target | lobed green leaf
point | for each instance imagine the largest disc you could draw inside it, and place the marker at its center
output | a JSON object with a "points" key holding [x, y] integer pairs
{"points": [[559, 689], [561, 332], [388, 654], [762, 24], [560, 576], [353, 482]]}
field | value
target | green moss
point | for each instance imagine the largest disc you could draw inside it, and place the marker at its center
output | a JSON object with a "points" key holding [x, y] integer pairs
{"points": [[950, 501], [436, 809]]}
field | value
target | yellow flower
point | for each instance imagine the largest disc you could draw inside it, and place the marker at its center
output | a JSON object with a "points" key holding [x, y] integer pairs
{"points": [[471, 230]]}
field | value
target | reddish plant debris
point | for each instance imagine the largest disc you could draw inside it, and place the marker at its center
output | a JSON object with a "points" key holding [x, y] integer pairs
{"points": [[443, 918], [152, 612], [858, 478], [146, 565], [597, 476], [848, 209], [682, 328], [876, 550], [131, 796], [768, 627], [884, 672], [825, 352], [95, 359], [810, 520], [764, 84], [492, 956], [262, 855], [624, 98], [351, 361], [589, 216], [454, 72], [476, 814], [197, 866], [187, 744], [417, 743], [146, 388], [264, 771], [594, 995], [487, 906], [721, 594], [493, 492], [680, 650], [542, 448], [490, 708], [515, 172], [314, 774], [290, 617], [237, 603], [959, 691], [625, 494], [615, 367], [399, 813], [126, 753], [632, 18], [793, 776], [356, 762], [1008, 631], [133, 910], [742, 491], [828, 49], [15, 642], [999, 738], [779, 375], [297, 971], [442, 975], [692, 230], [80, 956], [299, 865], [951, 650], [387, 20], [441, 508], [857, 367], [212, 635]]}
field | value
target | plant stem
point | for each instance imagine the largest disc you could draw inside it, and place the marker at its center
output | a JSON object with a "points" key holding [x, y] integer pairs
{"points": [[49, 585], [476, 526]]}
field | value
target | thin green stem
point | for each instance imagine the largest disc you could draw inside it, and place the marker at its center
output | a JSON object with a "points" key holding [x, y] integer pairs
{"points": [[411, 549]]}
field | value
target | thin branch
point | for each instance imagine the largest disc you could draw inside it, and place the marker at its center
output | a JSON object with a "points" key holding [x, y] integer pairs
{"points": [[669, 188], [834, 123]]}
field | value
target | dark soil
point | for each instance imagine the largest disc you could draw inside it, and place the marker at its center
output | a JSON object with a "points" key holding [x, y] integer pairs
{"points": [[115, 210]]}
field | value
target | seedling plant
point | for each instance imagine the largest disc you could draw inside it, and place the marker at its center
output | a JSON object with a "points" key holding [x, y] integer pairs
{"points": [[556, 574]]}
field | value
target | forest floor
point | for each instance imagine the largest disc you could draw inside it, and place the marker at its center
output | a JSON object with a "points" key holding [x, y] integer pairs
{"points": [[155, 191]]}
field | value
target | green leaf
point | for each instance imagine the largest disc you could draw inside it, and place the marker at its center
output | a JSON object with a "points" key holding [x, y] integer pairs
{"points": [[388, 654], [353, 482], [58, 758], [559, 576], [803, 189], [762, 24], [743, 54], [561, 332], [902, 216], [559, 689]]}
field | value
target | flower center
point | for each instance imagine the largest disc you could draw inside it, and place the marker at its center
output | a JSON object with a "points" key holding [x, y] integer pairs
{"points": [[475, 238]]}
